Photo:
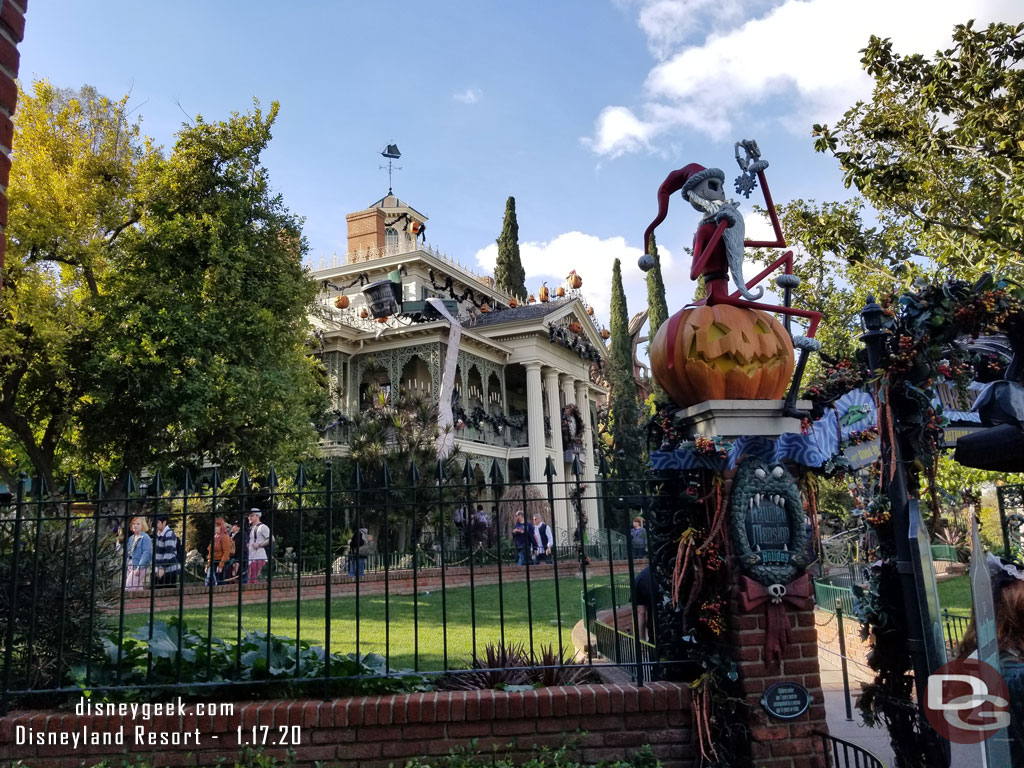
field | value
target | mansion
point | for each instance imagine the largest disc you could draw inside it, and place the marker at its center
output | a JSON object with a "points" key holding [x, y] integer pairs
{"points": [[522, 362]]}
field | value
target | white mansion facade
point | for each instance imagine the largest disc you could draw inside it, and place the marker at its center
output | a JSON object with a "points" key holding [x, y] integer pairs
{"points": [[520, 363]]}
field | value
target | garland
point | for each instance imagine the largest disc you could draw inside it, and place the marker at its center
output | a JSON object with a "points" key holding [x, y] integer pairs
{"points": [[574, 342], [448, 286], [572, 427]]}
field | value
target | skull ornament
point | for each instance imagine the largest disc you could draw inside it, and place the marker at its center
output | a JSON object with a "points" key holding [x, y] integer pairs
{"points": [[777, 591]]}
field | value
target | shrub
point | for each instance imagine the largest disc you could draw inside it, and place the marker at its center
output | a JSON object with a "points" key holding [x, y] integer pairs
{"points": [[260, 666], [510, 666], [59, 613]]}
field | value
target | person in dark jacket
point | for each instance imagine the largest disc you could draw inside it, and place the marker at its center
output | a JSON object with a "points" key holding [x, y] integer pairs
{"points": [[166, 556], [522, 539]]}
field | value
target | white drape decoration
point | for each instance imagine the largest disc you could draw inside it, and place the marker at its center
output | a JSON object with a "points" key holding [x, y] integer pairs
{"points": [[446, 438]]}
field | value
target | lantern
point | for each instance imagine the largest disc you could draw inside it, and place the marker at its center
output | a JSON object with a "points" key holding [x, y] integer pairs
{"points": [[363, 313], [575, 281], [575, 327], [605, 334], [543, 293], [341, 302], [722, 352]]}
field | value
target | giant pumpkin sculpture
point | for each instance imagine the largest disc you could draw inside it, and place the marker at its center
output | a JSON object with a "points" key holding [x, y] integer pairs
{"points": [[722, 352]]}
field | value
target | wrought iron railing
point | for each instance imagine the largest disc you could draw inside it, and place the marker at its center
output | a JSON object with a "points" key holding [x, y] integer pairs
{"points": [[846, 754], [84, 607]]}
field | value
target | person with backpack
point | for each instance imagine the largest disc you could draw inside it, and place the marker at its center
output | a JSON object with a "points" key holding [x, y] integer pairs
{"points": [[219, 552], [166, 557], [259, 544]]}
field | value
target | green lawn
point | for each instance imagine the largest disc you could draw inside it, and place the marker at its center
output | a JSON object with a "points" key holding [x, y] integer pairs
{"points": [[955, 595], [396, 637]]}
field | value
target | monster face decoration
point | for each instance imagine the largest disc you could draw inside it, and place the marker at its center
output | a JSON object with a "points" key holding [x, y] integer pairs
{"points": [[771, 540]]}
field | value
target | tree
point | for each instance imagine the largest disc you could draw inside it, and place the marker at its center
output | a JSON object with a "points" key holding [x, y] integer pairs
{"points": [[940, 146], [627, 444], [657, 306], [75, 191], [201, 352], [509, 274]]}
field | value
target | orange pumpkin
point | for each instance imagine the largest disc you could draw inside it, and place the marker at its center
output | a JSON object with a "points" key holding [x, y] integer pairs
{"points": [[590, 311], [606, 334], [722, 353], [543, 293], [560, 291], [574, 280], [363, 313], [485, 308], [416, 227], [341, 302], [575, 327], [532, 299], [513, 302], [382, 319]]}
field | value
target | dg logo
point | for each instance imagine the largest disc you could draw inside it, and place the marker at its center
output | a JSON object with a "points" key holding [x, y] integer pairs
{"points": [[967, 701]]}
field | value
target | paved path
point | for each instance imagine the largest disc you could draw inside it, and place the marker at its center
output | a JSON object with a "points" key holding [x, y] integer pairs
{"points": [[874, 739]]}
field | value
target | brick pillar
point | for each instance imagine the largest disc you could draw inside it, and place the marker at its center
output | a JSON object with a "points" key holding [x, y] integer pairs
{"points": [[12, 31], [777, 743]]}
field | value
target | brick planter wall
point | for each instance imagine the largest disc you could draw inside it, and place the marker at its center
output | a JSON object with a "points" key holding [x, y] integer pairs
{"points": [[377, 731]]}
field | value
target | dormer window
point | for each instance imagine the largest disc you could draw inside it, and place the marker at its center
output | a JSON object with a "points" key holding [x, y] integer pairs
{"points": [[390, 238]]}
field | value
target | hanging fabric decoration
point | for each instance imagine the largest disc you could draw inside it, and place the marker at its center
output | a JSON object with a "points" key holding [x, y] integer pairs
{"points": [[446, 436]]}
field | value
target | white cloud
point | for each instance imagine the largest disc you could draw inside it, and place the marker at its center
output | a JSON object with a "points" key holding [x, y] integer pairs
{"points": [[592, 258], [468, 96], [802, 56], [668, 23]]}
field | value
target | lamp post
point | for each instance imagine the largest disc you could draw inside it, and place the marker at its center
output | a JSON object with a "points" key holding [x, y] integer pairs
{"points": [[913, 552]]}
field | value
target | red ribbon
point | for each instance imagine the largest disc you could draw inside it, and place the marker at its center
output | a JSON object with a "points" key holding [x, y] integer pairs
{"points": [[777, 634]]}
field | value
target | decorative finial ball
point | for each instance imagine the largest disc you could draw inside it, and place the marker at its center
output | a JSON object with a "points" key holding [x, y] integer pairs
{"points": [[646, 262]]}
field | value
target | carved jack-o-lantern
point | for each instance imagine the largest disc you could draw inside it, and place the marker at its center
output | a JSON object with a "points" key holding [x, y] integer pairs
{"points": [[606, 334], [543, 293], [561, 291], [363, 313], [485, 307], [513, 302], [722, 353], [575, 327], [382, 319], [574, 280], [590, 311], [341, 302]]}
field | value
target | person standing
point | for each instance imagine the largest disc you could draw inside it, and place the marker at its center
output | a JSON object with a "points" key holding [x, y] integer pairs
{"points": [[542, 539], [358, 549], [140, 554], [218, 553], [166, 553], [259, 540], [522, 539], [639, 537]]}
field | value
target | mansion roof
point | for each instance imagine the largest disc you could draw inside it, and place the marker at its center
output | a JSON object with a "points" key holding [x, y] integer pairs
{"points": [[518, 314]]}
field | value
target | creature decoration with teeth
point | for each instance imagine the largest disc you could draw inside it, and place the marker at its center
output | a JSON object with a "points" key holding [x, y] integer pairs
{"points": [[769, 534], [718, 249]]}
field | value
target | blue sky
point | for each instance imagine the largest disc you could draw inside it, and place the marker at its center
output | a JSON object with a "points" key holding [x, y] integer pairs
{"points": [[579, 108]]}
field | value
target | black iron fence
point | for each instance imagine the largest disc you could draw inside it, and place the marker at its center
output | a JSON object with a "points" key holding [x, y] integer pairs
{"points": [[846, 754], [341, 583]]}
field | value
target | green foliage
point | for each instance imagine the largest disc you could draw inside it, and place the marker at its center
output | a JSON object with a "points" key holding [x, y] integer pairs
{"points": [[202, 339], [656, 304], [74, 192], [628, 455], [62, 603], [277, 667], [471, 757], [940, 145], [509, 274], [509, 666]]}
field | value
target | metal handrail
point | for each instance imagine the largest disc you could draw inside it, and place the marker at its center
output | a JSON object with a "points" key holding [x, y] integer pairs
{"points": [[846, 754]]}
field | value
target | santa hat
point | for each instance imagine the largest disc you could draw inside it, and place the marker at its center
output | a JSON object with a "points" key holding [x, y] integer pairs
{"points": [[684, 179]]}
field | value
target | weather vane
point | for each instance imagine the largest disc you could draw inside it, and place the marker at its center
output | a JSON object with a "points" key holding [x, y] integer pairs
{"points": [[391, 153]]}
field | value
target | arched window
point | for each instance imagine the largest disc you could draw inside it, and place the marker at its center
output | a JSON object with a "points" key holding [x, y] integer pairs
{"points": [[391, 238]]}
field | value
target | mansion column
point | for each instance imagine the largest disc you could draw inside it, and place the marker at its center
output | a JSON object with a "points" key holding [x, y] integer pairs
{"points": [[560, 514], [535, 421], [587, 455]]}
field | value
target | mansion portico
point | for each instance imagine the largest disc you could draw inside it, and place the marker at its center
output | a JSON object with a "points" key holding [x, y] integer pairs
{"points": [[519, 362]]}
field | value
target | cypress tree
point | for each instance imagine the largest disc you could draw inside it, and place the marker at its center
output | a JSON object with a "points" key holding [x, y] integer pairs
{"points": [[657, 306], [656, 303], [509, 274], [627, 443]]}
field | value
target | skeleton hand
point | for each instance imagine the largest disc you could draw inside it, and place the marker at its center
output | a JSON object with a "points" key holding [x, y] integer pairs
{"points": [[726, 213]]}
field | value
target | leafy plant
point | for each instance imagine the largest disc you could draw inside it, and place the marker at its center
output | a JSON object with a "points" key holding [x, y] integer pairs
{"points": [[275, 666], [506, 666]]}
